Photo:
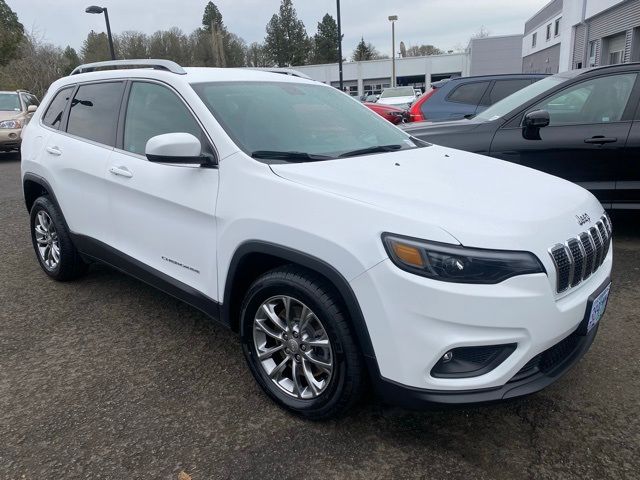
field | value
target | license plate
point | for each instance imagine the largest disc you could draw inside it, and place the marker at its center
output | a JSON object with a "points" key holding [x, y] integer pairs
{"points": [[597, 308]]}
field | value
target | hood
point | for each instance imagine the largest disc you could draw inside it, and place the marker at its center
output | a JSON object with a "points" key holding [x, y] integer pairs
{"points": [[396, 100], [481, 201], [9, 115]]}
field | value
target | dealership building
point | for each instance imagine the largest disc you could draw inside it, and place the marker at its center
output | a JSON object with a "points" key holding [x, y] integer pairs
{"points": [[570, 34], [563, 35], [499, 54]]}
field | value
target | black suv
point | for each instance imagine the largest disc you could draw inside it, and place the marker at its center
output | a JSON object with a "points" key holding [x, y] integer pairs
{"points": [[582, 125]]}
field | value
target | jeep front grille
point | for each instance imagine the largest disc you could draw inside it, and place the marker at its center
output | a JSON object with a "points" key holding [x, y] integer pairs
{"points": [[577, 258]]}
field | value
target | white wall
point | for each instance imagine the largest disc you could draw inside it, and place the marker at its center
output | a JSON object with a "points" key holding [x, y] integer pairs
{"points": [[377, 69], [541, 31], [594, 7]]}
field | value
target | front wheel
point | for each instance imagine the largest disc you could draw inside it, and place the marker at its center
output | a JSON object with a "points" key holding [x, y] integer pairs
{"points": [[52, 243], [298, 344]]}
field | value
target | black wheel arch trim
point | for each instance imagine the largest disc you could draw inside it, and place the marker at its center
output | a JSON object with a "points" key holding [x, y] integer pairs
{"points": [[305, 260]]}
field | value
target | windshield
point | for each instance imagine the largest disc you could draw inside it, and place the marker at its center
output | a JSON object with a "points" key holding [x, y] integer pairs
{"points": [[398, 92], [287, 121], [9, 102], [507, 104]]}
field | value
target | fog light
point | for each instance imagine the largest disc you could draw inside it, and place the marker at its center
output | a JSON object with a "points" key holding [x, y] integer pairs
{"points": [[13, 135], [465, 362]]}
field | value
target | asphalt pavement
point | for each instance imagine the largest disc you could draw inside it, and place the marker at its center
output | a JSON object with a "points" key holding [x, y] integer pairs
{"points": [[107, 378]]}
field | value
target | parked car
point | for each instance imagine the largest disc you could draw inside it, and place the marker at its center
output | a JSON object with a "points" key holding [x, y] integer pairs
{"points": [[581, 125], [16, 109], [456, 98], [394, 114], [336, 245], [401, 97]]}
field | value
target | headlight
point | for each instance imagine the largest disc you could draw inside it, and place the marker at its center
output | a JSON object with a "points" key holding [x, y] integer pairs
{"points": [[451, 263], [11, 124]]}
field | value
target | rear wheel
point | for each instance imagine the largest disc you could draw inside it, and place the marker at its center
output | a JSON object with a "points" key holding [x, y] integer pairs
{"points": [[298, 343], [54, 249]]}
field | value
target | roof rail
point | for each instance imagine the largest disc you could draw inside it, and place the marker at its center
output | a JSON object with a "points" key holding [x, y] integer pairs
{"points": [[284, 71], [167, 65]]}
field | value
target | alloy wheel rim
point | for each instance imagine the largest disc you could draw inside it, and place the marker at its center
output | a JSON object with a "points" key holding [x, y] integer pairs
{"points": [[293, 347], [47, 240]]}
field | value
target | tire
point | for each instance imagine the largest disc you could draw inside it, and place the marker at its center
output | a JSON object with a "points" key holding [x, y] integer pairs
{"points": [[327, 395], [67, 263]]}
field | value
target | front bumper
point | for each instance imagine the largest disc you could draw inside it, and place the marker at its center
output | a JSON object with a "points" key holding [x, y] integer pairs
{"points": [[413, 321], [10, 138]]}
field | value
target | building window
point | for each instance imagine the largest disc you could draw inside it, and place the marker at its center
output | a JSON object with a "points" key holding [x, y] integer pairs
{"points": [[616, 57], [548, 32], [556, 28], [534, 38], [592, 53]]}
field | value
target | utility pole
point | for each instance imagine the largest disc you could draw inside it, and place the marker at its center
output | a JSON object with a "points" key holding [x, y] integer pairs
{"points": [[340, 47], [393, 19]]}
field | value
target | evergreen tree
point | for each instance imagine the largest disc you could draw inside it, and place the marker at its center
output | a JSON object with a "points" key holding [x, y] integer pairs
{"points": [[70, 60], [11, 33], [95, 48], [325, 41], [364, 51], [287, 42]]}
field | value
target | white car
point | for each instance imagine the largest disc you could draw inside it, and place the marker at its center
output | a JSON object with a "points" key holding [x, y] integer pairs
{"points": [[401, 97], [336, 245]]}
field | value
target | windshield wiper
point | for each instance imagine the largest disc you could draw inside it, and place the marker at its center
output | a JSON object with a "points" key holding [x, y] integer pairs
{"points": [[289, 156], [376, 149]]}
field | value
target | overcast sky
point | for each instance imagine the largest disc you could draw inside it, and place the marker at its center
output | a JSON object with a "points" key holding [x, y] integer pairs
{"points": [[443, 23]]}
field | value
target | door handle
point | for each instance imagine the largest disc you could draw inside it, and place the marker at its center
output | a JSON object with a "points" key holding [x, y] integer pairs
{"points": [[121, 172], [54, 151], [600, 140]]}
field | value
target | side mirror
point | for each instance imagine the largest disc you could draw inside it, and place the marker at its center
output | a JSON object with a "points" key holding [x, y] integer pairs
{"points": [[533, 122], [536, 119], [32, 108], [181, 148]]}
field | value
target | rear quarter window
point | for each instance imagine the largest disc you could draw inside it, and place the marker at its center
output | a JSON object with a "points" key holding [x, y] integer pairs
{"points": [[53, 116]]}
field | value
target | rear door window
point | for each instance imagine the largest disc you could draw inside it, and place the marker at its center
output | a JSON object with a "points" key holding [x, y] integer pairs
{"points": [[470, 93], [53, 116], [503, 88], [94, 112]]}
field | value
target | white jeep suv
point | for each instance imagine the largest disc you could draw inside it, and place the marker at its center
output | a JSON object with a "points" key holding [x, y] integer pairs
{"points": [[341, 249]]}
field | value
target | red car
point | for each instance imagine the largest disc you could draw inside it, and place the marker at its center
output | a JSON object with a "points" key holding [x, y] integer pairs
{"points": [[394, 114]]}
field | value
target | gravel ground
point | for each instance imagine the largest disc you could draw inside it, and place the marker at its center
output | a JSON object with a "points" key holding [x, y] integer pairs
{"points": [[107, 378]]}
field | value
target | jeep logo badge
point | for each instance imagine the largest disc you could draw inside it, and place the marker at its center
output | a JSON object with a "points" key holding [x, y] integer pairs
{"points": [[582, 219]]}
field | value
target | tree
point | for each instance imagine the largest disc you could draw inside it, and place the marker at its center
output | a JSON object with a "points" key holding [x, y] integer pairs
{"points": [[366, 51], [36, 66], [95, 48], [483, 32], [211, 17], [70, 60], [11, 33], [325, 41], [423, 50], [256, 56], [170, 44], [132, 45], [287, 42]]}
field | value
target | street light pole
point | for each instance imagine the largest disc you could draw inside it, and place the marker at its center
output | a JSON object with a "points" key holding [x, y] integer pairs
{"points": [[339, 46], [106, 17], [392, 19], [98, 10]]}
